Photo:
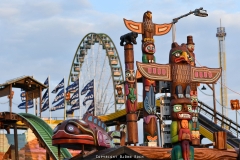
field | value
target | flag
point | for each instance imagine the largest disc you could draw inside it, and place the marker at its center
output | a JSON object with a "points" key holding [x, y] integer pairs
{"points": [[22, 94], [23, 105], [73, 102], [45, 106], [69, 111], [74, 96], [75, 106], [88, 97], [91, 107], [59, 96], [59, 86], [60, 105], [45, 96], [73, 86], [88, 87], [46, 82], [23, 99]]}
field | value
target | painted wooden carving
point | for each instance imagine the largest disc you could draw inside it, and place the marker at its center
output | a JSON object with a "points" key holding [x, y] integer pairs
{"points": [[181, 73], [127, 41], [86, 134], [193, 94]]}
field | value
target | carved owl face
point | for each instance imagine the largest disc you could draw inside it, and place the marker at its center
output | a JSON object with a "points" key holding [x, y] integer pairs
{"points": [[180, 54]]}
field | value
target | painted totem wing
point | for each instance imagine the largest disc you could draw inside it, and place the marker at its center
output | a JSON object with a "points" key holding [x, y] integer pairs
{"points": [[161, 29], [153, 71], [133, 26], [205, 75]]}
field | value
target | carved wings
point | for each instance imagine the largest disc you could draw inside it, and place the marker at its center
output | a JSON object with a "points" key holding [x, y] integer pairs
{"points": [[159, 29]]}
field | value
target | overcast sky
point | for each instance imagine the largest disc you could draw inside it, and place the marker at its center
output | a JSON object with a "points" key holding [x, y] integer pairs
{"points": [[40, 38]]}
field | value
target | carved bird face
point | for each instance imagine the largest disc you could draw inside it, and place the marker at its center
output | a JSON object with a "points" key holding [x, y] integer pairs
{"points": [[180, 54], [148, 14]]}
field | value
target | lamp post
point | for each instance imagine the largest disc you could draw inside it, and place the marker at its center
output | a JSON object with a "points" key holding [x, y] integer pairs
{"points": [[197, 12], [214, 100]]}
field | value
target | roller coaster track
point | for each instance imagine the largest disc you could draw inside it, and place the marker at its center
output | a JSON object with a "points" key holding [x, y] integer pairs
{"points": [[42, 131], [207, 126]]}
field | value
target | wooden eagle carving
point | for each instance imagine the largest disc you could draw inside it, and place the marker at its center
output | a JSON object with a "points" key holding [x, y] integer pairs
{"points": [[147, 27]]}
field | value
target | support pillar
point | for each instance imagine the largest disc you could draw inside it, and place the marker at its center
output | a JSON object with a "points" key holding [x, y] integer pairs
{"points": [[47, 156], [16, 142]]}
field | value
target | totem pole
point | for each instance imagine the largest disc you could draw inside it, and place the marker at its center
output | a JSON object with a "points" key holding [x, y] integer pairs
{"points": [[181, 126], [148, 29], [181, 75], [194, 97], [130, 87]]}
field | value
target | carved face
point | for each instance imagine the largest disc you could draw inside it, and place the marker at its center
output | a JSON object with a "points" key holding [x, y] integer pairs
{"points": [[194, 101], [179, 54], [182, 112], [184, 123], [190, 47], [130, 76], [149, 48]]}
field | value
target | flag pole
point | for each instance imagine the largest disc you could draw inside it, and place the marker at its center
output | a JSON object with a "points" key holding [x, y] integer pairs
{"points": [[79, 98], [50, 113], [94, 97], [64, 98]]}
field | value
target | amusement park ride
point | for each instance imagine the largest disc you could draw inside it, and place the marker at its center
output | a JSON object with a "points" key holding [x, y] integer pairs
{"points": [[182, 137]]}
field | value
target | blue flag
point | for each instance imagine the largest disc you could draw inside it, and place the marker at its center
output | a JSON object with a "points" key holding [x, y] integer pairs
{"points": [[60, 105], [88, 87], [74, 96], [59, 96], [69, 111], [73, 87], [91, 107], [59, 86], [45, 106], [75, 106], [88, 97], [22, 94], [45, 96], [23, 105], [46, 82]]}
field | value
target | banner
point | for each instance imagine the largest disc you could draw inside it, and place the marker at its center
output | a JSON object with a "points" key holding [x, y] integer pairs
{"points": [[45, 96], [88, 97], [22, 94], [88, 87], [73, 86], [60, 105], [23, 105], [45, 106], [75, 106], [46, 82], [59, 96], [59, 86], [91, 107], [74, 96]]}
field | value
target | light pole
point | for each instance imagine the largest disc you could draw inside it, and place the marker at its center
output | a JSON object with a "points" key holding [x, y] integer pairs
{"points": [[197, 12], [214, 100]]}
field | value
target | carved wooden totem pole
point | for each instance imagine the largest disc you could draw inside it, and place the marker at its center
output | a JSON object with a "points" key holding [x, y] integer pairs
{"points": [[181, 75], [148, 29], [194, 96], [130, 86]]}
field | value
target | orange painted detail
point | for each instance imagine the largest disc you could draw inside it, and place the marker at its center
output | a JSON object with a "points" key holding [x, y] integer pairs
{"points": [[161, 29]]}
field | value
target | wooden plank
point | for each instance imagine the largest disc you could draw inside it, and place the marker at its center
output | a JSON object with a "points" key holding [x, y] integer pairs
{"points": [[199, 153], [5, 91]]}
